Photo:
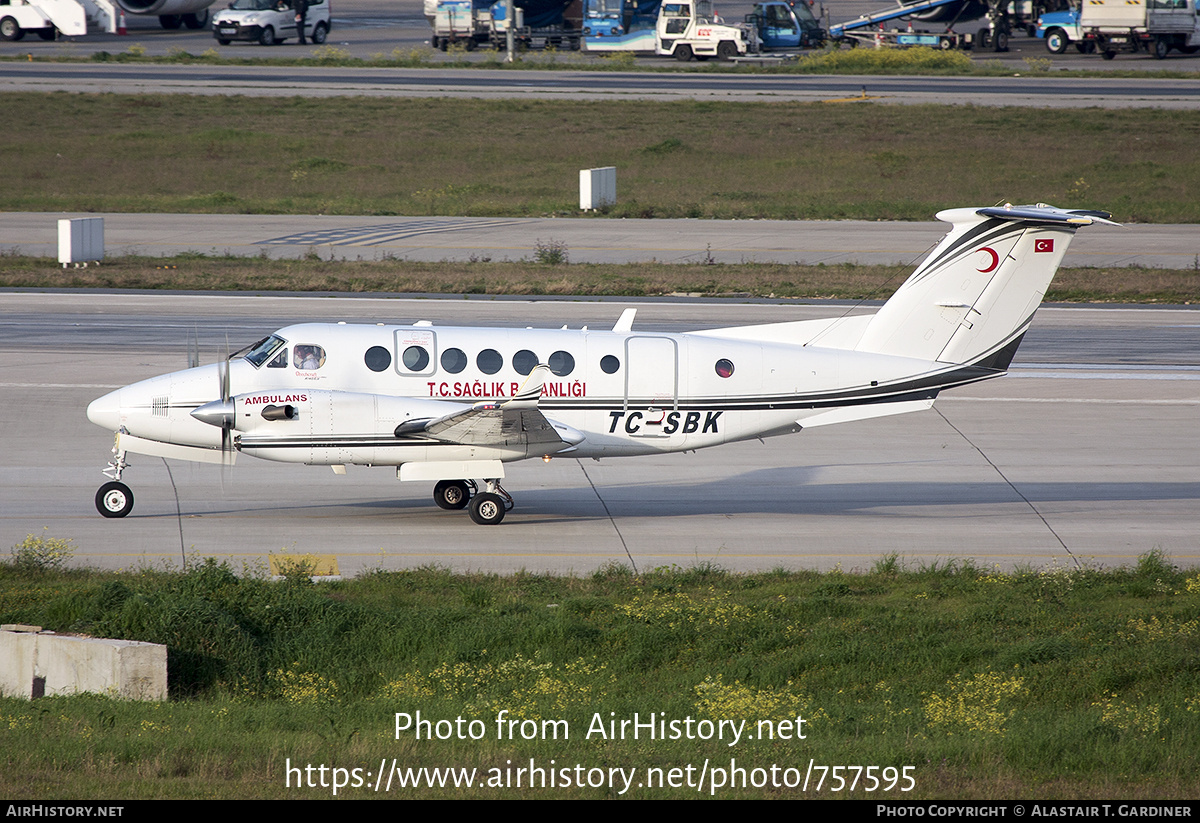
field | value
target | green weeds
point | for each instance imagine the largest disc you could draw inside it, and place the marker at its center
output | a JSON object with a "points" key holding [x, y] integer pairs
{"points": [[1035, 684], [42, 553]]}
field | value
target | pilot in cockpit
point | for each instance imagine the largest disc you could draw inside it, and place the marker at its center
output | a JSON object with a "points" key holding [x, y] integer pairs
{"points": [[308, 358]]}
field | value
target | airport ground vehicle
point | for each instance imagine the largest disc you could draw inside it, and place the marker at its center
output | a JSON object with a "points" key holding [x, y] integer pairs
{"points": [[48, 18], [269, 22], [1002, 18], [466, 22], [786, 25], [556, 26], [1156, 26], [683, 29], [1060, 29]]}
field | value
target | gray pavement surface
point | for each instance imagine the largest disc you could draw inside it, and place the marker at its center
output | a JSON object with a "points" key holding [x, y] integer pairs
{"points": [[588, 240], [1088, 452], [1021, 89]]}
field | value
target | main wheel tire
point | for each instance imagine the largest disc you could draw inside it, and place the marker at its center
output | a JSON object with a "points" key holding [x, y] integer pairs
{"points": [[196, 21], [114, 499], [319, 33], [683, 53], [1056, 41], [1001, 42], [452, 494], [726, 50], [10, 29], [487, 509], [267, 36], [170, 21], [1161, 48]]}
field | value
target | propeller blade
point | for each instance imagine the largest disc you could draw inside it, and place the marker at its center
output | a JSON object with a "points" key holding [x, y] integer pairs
{"points": [[194, 349]]}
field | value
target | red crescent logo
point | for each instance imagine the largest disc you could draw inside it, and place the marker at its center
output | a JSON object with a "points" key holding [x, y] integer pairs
{"points": [[995, 260]]}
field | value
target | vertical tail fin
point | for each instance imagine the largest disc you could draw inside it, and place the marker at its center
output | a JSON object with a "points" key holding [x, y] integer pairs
{"points": [[973, 298]]}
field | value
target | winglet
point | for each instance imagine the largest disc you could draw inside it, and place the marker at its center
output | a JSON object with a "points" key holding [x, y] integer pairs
{"points": [[528, 395], [625, 323]]}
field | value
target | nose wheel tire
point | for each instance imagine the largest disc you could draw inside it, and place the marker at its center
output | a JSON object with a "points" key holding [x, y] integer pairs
{"points": [[114, 500], [487, 509], [452, 494]]}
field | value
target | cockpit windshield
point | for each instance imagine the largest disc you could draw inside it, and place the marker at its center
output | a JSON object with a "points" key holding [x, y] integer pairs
{"points": [[605, 8], [263, 350]]}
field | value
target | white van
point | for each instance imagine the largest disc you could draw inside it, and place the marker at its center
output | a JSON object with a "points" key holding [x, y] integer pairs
{"points": [[270, 22]]}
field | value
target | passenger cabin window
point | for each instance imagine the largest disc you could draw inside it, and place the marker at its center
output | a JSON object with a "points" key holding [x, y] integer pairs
{"points": [[489, 361], [454, 360], [377, 358], [415, 358], [561, 363], [524, 361], [308, 357]]}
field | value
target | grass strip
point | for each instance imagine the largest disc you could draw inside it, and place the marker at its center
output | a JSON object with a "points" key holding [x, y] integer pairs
{"points": [[698, 159], [528, 277], [1044, 683]]}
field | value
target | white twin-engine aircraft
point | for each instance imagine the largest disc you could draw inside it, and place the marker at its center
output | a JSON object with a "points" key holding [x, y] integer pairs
{"points": [[453, 405]]}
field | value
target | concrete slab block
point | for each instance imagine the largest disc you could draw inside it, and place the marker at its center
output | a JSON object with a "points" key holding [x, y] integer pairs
{"points": [[37, 664]]}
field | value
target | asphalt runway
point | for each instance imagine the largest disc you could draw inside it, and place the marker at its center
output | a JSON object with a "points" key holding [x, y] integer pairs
{"points": [[1021, 89], [1087, 453]]}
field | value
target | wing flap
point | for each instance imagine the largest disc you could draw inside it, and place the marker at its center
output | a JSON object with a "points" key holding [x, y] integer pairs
{"points": [[515, 422]]}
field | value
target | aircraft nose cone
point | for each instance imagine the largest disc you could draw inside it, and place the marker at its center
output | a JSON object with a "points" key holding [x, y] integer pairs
{"points": [[219, 413], [106, 411]]}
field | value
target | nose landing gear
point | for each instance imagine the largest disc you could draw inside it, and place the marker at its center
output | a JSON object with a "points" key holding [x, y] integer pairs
{"points": [[115, 499]]}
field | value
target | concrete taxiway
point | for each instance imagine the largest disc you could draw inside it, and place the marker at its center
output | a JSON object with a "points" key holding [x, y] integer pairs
{"points": [[586, 240], [1087, 453]]}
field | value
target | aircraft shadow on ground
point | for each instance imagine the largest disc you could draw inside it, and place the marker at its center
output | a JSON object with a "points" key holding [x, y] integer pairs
{"points": [[781, 491]]}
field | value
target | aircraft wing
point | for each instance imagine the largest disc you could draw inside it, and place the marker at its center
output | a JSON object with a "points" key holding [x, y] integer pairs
{"points": [[517, 421]]}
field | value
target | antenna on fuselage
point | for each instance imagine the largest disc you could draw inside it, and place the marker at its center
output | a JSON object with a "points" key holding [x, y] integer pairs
{"points": [[625, 321]]}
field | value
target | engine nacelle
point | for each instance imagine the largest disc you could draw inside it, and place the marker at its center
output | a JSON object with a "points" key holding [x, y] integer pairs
{"points": [[318, 426]]}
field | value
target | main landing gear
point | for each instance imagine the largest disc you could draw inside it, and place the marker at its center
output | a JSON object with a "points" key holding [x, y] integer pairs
{"points": [[487, 508], [114, 499]]}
